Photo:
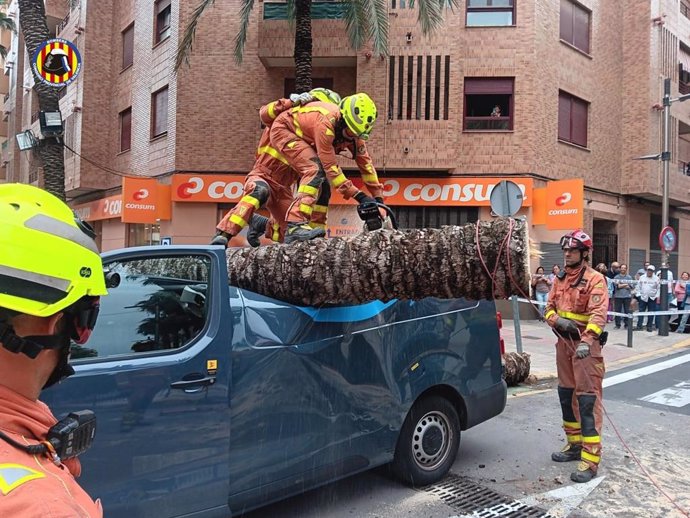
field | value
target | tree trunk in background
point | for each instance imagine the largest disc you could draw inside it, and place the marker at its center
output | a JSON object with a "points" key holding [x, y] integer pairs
{"points": [[386, 265], [303, 46], [32, 19]]}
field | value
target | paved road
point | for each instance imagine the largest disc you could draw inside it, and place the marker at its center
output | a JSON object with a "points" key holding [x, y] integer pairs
{"points": [[509, 456]]}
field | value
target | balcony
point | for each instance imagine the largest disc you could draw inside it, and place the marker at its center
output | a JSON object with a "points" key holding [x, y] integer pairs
{"points": [[277, 40]]}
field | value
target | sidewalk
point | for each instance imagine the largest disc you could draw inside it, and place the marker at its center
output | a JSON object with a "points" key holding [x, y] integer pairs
{"points": [[539, 341]]}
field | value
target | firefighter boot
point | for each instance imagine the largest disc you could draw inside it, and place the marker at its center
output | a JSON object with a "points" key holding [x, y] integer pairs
{"points": [[569, 453], [221, 238], [583, 473], [256, 229], [302, 232]]}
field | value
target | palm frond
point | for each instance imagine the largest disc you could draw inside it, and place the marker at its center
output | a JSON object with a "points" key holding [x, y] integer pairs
{"points": [[291, 14], [448, 4], [378, 25], [3, 51], [430, 15], [7, 23], [241, 38], [185, 47], [356, 22]]}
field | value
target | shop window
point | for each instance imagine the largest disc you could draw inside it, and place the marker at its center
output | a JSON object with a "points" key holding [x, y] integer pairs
{"points": [[574, 25], [128, 46], [143, 234], [434, 217], [163, 12], [572, 119], [488, 103], [159, 112], [126, 129], [490, 13], [155, 304]]}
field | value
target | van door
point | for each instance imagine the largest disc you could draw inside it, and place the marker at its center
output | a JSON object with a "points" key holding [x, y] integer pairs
{"points": [[156, 371]]}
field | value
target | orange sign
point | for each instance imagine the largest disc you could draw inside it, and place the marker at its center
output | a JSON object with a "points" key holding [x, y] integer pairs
{"points": [[450, 191], [139, 200], [105, 208], [539, 206], [565, 204]]}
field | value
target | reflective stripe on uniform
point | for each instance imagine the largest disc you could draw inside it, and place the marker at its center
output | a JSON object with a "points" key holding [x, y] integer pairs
{"points": [[549, 313], [591, 458], [329, 132], [238, 220], [339, 180], [276, 232], [574, 316], [298, 128], [268, 150], [594, 327], [251, 200], [305, 209], [308, 189], [292, 144], [14, 475], [272, 110], [574, 439], [370, 178], [317, 225], [574, 425], [308, 109], [592, 439], [320, 208]]}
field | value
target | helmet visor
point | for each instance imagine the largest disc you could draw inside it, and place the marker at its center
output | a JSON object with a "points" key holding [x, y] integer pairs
{"points": [[571, 242]]}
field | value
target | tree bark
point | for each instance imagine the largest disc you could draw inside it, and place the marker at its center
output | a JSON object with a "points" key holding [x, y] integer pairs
{"points": [[303, 46], [32, 18], [386, 265], [517, 367]]}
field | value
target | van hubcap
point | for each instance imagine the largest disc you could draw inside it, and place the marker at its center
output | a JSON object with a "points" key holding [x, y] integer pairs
{"points": [[431, 440]]}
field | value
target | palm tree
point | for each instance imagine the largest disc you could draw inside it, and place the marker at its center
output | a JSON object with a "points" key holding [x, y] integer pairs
{"points": [[32, 20], [364, 20], [6, 23]]}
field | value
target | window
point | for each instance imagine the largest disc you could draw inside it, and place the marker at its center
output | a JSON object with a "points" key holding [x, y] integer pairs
{"points": [[159, 112], [413, 77], [572, 119], [143, 234], [126, 129], [575, 25], [162, 20], [488, 103], [317, 82], [128, 46], [489, 13], [685, 8], [435, 217], [152, 305]]}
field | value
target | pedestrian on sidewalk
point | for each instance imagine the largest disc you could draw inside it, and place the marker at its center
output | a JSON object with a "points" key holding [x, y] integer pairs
{"points": [[648, 290], [622, 295], [601, 268], [576, 310], [680, 290], [541, 284], [555, 270]]}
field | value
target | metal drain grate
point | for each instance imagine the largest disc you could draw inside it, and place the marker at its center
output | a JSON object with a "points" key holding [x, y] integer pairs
{"points": [[476, 501]]}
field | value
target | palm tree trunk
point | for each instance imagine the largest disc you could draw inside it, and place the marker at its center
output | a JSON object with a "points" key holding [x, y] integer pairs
{"points": [[386, 265], [32, 18], [303, 46]]}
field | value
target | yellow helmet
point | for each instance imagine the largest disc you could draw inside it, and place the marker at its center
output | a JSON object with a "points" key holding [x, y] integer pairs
{"points": [[359, 112], [48, 258], [325, 95]]}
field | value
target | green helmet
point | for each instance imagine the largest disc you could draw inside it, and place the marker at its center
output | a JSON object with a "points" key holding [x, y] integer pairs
{"points": [[325, 95], [359, 112]]}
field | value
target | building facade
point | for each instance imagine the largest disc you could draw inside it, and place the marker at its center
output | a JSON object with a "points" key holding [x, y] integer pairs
{"points": [[533, 90]]}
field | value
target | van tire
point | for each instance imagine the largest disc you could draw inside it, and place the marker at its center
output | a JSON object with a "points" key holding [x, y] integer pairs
{"points": [[428, 442]]}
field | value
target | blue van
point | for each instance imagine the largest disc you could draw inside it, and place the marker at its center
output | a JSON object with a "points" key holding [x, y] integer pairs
{"points": [[213, 400]]}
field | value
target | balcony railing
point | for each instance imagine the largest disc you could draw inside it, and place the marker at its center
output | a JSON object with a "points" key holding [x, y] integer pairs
{"points": [[62, 24], [320, 10], [683, 88], [34, 116], [487, 123]]}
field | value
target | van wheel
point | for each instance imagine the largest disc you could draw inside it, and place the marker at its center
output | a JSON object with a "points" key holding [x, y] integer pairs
{"points": [[428, 442]]}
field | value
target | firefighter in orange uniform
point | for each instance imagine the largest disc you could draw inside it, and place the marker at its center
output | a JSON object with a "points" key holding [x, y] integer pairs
{"points": [[576, 310], [307, 137], [270, 181]]}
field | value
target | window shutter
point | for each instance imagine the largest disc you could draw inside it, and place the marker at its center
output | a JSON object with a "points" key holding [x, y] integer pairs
{"points": [[126, 130], [500, 85], [581, 29], [579, 124], [128, 46], [564, 116], [566, 21], [161, 5]]}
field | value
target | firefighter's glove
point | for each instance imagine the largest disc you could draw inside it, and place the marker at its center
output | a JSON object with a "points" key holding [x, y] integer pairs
{"points": [[301, 99], [363, 198], [582, 350], [566, 327]]}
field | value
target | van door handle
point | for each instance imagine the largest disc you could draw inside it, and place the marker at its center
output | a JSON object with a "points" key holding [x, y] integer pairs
{"points": [[193, 383]]}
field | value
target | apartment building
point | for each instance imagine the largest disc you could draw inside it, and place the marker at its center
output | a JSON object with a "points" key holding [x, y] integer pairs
{"points": [[534, 90]]}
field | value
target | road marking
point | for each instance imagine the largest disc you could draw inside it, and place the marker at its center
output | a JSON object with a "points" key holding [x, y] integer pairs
{"points": [[569, 497], [678, 395], [650, 354], [643, 371]]}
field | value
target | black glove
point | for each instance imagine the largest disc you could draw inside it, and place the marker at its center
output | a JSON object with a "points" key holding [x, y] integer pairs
{"points": [[379, 199], [566, 326], [363, 198]]}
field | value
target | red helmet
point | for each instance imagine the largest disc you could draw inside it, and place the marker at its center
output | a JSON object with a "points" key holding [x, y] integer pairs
{"points": [[576, 239]]}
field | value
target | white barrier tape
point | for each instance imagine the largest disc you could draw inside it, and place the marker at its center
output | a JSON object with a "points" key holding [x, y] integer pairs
{"points": [[624, 315]]}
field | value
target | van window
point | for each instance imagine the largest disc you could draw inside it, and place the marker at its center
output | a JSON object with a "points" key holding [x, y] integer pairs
{"points": [[154, 304]]}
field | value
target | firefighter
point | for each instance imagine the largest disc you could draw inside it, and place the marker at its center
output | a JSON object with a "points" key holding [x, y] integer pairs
{"points": [[46, 300], [576, 310], [307, 136], [270, 181]]}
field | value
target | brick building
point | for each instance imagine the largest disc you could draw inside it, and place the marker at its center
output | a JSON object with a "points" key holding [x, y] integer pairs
{"points": [[576, 84]]}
